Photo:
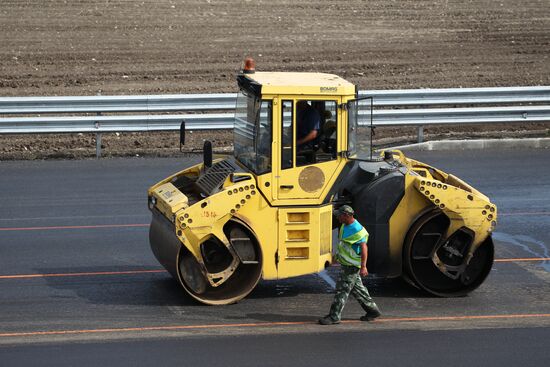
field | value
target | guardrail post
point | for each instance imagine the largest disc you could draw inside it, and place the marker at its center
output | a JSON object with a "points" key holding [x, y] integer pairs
{"points": [[97, 140], [98, 145], [420, 134]]}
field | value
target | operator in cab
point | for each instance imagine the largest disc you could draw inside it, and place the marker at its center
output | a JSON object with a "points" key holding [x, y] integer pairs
{"points": [[308, 125]]}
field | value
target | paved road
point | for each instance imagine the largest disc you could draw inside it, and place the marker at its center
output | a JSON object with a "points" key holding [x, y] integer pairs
{"points": [[84, 224], [486, 347]]}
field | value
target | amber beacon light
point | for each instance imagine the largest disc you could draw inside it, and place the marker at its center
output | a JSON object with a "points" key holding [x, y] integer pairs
{"points": [[249, 66]]}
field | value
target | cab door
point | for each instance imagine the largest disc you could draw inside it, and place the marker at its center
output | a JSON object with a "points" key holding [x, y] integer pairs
{"points": [[305, 170]]}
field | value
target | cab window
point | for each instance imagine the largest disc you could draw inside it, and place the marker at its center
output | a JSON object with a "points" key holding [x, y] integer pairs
{"points": [[287, 140], [253, 132]]}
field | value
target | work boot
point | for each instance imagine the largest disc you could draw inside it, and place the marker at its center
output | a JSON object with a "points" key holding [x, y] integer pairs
{"points": [[370, 316], [328, 320]]}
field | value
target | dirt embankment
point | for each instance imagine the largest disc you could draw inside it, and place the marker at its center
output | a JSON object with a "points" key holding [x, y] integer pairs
{"points": [[111, 47]]}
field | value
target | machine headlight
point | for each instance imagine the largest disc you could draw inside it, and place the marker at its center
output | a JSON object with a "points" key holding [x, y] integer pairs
{"points": [[152, 201]]}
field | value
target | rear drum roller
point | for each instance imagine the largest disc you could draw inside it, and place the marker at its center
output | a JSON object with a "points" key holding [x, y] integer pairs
{"points": [[245, 253], [426, 245]]}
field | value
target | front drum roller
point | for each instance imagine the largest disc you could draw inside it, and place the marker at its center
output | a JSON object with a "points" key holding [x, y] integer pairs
{"points": [[245, 253], [436, 263], [241, 264]]}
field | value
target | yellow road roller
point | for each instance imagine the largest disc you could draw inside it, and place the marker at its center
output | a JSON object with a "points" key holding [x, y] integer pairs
{"points": [[302, 148]]}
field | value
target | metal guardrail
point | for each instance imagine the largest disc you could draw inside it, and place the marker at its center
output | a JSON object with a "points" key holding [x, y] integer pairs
{"points": [[108, 124], [458, 96], [226, 101], [106, 104], [127, 123], [215, 111], [483, 115]]}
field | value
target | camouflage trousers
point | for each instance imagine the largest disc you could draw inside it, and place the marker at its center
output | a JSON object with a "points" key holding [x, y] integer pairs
{"points": [[348, 282]]}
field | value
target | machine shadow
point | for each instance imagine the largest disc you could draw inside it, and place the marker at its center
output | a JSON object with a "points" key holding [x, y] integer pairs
{"points": [[394, 288], [134, 285], [137, 287]]}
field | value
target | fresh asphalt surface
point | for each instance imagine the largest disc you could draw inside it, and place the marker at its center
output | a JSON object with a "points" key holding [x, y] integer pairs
{"points": [[79, 284]]}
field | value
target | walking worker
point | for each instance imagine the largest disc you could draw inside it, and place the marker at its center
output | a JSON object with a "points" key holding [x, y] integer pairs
{"points": [[352, 256]]}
